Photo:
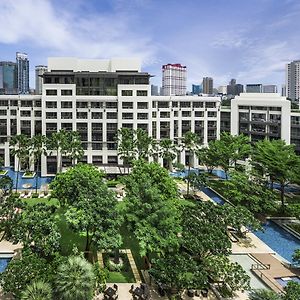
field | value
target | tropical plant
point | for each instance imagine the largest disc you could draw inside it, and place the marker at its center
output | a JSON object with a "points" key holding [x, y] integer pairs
{"points": [[190, 143], [75, 280], [278, 161], [37, 290], [263, 294], [292, 291], [145, 144], [126, 146], [20, 148], [74, 149], [6, 184], [168, 152], [38, 148]]}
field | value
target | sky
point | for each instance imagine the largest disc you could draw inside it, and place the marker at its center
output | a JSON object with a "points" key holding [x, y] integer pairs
{"points": [[250, 40]]}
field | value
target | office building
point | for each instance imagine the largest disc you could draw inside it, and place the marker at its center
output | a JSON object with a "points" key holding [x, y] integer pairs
{"points": [[254, 88], [283, 90], [208, 85], [174, 79], [196, 89], [270, 88], [98, 97], [8, 77], [22, 73], [292, 80], [234, 88], [222, 89], [39, 71]]}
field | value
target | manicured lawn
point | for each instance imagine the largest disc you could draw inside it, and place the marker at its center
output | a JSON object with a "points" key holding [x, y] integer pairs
{"points": [[120, 277], [33, 201]]}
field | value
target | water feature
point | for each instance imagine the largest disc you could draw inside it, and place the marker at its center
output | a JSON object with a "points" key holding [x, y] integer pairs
{"points": [[5, 258], [213, 195], [29, 182], [279, 240]]}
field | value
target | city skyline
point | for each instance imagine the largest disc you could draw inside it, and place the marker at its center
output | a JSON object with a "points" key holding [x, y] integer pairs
{"points": [[218, 39]]}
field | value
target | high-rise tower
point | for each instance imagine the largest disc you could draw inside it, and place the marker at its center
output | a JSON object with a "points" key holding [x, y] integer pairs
{"points": [[292, 79], [208, 85], [39, 71], [22, 73], [8, 77], [173, 79]]}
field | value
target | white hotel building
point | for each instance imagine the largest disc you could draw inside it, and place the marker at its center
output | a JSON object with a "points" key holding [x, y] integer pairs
{"points": [[97, 97]]}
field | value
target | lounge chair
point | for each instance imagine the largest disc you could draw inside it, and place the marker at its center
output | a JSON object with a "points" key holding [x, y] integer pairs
{"points": [[42, 195]]}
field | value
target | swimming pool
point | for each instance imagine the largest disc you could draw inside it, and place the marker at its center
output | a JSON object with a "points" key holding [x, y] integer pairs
{"points": [[30, 181], [283, 281], [214, 196], [220, 173], [5, 258], [280, 240]]}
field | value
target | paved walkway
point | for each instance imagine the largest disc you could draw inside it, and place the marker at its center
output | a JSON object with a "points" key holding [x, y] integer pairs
{"points": [[276, 270]]}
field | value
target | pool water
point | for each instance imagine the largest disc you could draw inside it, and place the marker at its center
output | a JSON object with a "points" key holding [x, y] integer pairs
{"points": [[32, 181], [220, 173], [280, 240], [285, 280], [214, 196], [4, 263]]}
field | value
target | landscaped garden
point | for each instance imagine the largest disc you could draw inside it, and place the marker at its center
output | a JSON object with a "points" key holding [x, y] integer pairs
{"points": [[182, 242]]}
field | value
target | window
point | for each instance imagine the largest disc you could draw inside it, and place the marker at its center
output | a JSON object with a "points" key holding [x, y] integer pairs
{"points": [[5, 103], [26, 103], [142, 105], [38, 103], [185, 104], [111, 115], [96, 115], [12, 102], [142, 93], [37, 113], [96, 104], [3, 112], [142, 116], [165, 114], [25, 113], [13, 112], [127, 105], [210, 105], [111, 105], [198, 104], [127, 116], [186, 114], [126, 92], [163, 104], [112, 159], [82, 104], [66, 115], [51, 92], [51, 115], [212, 114], [175, 113], [67, 126], [199, 114], [175, 104], [51, 104], [66, 92], [66, 104], [97, 160], [81, 115], [154, 114]]}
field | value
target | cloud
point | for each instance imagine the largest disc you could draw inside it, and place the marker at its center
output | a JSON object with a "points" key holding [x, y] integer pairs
{"points": [[64, 33]]}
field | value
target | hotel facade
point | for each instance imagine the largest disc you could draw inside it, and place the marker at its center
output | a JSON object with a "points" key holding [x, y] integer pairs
{"points": [[97, 97]]}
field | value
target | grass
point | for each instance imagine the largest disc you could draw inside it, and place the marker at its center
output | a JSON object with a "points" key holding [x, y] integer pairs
{"points": [[33, 201], [120, 277], [3, 172]]}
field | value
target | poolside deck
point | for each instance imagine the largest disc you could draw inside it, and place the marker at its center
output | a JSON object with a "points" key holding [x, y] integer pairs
{"points": [[277, 269]]}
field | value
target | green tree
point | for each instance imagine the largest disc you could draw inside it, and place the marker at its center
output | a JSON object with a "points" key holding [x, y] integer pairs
{"points": [[22, 271], [75, 280], [168, 152], [151, 207], [38, 148], [296, 256], [6, 184], [126, 146], [145, 144], [262, 294], [20, 148], [278, 161], [251, 191], [91, 206], [37, 290], [74, 149], [197, 181], [178, 271], [59, 143], [208, 156], [10, 211], [190, 143], [37, 229], [292, 291]]}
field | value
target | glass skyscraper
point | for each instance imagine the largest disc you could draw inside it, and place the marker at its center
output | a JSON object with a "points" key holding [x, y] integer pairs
{"points": [[8, 77], [22, 73]]}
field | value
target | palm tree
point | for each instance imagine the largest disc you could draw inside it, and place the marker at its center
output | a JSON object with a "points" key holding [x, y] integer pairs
{"points": [[38, 148], [39, 290], [126, 146], [75, 280], [20, 148], [190, 142], [58, 142], [145, 144], [74, 149], [167, 151]]}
